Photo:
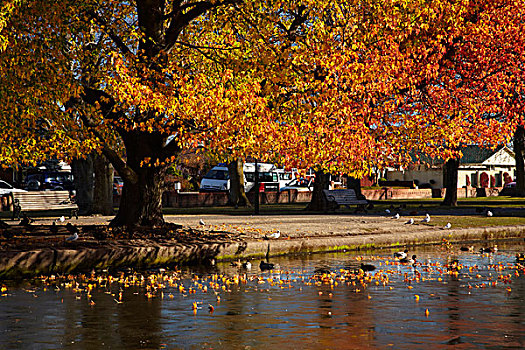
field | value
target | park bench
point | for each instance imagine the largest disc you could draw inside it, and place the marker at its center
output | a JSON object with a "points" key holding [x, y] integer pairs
{"points": [[346, 197], [43, 200]]}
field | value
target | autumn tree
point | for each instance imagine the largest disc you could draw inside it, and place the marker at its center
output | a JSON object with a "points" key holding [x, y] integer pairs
{"points": [[343, 86]]}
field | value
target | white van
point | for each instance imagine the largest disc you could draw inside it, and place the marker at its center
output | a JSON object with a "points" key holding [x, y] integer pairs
{"points": [[218, 179]]}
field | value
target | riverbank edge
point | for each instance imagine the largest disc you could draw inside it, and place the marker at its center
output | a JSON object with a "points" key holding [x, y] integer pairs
{"points": [[148, 254]]}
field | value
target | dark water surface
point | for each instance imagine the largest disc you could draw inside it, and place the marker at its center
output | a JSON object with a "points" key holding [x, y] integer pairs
{"points": [[480, 306]]}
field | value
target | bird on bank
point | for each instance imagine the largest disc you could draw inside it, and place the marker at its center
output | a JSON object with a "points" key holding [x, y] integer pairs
{"points": [[72, 228], [489, 213], [401, 254], [273, 235], [409, 222], [247, 265], [73, 237], [426, 219], [397, 216], [54, 228], [266, 266], [61, 219], [447, 226], [201, 222], [26, 221]]}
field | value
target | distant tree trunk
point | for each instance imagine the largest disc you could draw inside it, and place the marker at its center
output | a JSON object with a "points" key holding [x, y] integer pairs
{"points": [[103, 189], [450, 179], [355, 184], [82, 170], [322, 182], [519, 151], [237, 194]]}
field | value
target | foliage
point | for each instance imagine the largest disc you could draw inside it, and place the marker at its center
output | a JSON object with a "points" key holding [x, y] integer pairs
{"points": [[344, 86]]}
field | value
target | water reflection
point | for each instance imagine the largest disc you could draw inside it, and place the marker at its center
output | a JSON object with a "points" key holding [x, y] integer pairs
{"points": [[482, 305]]}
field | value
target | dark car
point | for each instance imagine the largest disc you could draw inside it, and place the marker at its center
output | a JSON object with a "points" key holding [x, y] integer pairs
{"points": [[50, 181]]}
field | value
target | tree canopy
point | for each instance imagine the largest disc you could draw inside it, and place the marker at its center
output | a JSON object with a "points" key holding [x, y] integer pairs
{"points": [[343, 86]]}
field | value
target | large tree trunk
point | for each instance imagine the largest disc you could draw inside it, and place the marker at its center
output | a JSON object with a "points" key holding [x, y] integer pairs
{"points": [[237, 194], [450, 179], [519, 151], [144, 182], [318, 201], [103, 189], [355, 184], [82, 170]]}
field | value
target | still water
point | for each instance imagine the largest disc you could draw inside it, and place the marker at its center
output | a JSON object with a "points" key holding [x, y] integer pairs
{"points": [[314, 302]]}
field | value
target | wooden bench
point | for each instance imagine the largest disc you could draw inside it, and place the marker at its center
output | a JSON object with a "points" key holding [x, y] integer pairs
{"points": [[346, 197], [43, 200]]}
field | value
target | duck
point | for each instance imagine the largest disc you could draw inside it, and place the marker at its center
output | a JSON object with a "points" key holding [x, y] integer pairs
{"points": [[401, 254], [409, 222], [407, 260], [467, 249], [266, 266], [488, 249], [489, 213], [447, 226], [367, 267], [247, 265]]}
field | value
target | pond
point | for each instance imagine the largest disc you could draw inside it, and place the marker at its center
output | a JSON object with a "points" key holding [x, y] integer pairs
{"points": [[448, 298]]}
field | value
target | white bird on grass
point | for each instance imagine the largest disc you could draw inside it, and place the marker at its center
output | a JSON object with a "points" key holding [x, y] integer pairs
{"points": [[426, 219], [273, 235], [447, 226], [397, 216], [409, 222]]}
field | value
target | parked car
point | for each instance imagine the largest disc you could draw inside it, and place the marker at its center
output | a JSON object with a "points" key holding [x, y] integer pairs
{"points": [[50, 181], [218, 179], [300, 184], [6, 188]]}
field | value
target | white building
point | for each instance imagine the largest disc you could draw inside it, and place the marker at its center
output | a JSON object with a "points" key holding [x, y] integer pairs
{"points": [[478, 167]]}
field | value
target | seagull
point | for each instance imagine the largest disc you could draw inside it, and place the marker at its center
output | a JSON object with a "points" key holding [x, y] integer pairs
{"points": [[401, 254], [387, 211], [61, 219], [426, 219], [409, 222], [73, 237], [447, 226], [397, 216], [273, 235], [489, 213], [201, 222], [266, 266]]}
